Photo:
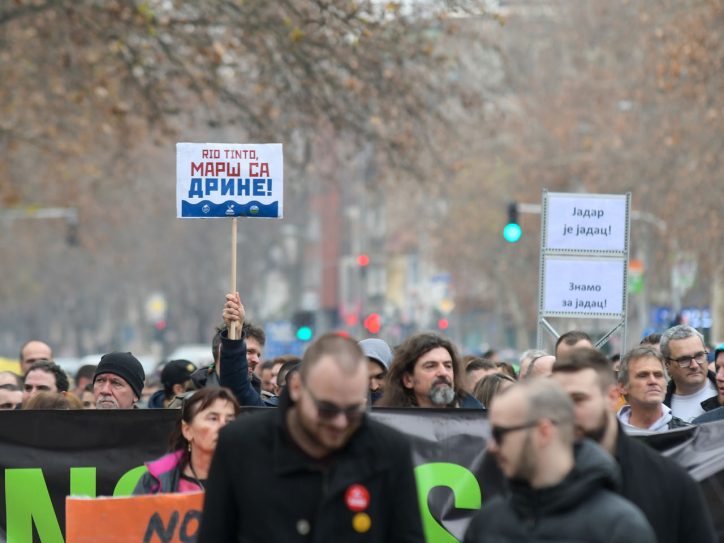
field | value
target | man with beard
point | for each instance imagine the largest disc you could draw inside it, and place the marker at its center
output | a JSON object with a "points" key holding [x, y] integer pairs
{"points": [[667, 495], [557, 492], [426, 371], [325, 470], [379, 356]]}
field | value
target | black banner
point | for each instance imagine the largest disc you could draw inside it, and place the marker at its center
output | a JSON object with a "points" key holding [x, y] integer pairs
{"points": [[47, 455]]}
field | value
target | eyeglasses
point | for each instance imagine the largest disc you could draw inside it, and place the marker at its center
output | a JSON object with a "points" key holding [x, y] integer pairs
{"points": [[499, 432], [685, 361], [329, 411]]}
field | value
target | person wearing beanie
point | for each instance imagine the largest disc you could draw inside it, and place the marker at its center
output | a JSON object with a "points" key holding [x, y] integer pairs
{"points": [[176, 379], [118, 381], [379, 356]]}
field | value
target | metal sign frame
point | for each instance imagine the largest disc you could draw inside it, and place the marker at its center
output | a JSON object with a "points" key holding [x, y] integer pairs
{"points": [[593, 254]]}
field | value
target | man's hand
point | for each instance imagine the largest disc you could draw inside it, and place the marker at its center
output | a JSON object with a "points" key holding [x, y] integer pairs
{"points": [[234, 312]]}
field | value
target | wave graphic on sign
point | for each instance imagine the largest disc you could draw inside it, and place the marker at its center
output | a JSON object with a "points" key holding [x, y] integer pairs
{"points": [[229, 208]]}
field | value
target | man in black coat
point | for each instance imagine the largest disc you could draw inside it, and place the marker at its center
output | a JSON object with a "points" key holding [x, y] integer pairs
{"points": [[668, 496], [556, 494], [316, 469]]}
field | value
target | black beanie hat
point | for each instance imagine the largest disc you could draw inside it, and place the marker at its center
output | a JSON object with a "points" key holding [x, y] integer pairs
{"points": [[126, 366]]}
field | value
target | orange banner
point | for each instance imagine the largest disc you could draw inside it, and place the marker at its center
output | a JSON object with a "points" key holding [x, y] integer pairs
{"points": [[159, 518]]}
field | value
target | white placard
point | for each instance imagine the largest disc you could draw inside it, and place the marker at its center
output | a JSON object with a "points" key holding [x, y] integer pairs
{"points": [[586, 222], [229, 180], [583, 285]]}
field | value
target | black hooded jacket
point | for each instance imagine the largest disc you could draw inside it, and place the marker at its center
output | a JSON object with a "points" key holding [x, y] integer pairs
{"points": [[671, 500], [582, 507]]}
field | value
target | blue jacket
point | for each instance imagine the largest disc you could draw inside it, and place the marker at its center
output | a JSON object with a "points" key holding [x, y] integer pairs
{"points": [[234, 373]]}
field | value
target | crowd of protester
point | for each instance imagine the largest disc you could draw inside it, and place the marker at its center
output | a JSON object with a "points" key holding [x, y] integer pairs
{"points": [[560, 425]]}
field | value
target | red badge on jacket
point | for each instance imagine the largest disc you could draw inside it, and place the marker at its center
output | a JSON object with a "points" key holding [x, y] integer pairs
{"points": [[357, 497]]}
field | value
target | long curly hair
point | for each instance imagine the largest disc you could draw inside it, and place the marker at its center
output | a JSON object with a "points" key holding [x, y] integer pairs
{"points": [[406, 356]]}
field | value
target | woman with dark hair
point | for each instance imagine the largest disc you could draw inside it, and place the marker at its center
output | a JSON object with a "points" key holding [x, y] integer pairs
{"points": [[193, 442]]}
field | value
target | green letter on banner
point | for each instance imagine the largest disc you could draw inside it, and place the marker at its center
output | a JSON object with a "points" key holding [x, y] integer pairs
{"points": [[129, 480], [460, 480], [83, 482], [27, 501]]}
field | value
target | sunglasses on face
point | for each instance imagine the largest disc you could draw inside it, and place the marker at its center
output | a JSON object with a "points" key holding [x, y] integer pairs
{"points": [[499, 432], [330, 411]]}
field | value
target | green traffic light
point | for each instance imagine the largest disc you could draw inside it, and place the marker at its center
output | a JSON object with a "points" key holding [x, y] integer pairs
{"points": [[304, 333], [512, 232]]}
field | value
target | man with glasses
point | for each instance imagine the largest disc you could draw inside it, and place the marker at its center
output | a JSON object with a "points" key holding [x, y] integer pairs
{"points": [[717, 413], [691, 382], [327, 471], [558, 491], [671, 500]]}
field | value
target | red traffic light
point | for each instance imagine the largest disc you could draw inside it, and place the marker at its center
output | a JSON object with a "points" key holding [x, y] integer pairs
{"points": [[373, 323], [443, 324], [363, 260], [160, 325]]}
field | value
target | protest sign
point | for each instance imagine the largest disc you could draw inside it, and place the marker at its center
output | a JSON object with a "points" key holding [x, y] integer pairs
{"points": [[586, 222], [584, 255], [216, 180], [229, 180], [170, 518], [583, 286]]}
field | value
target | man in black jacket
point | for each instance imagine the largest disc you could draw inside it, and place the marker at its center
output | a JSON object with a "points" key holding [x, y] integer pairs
{"points": [[316, 469], [556, 494], [668, 496]]}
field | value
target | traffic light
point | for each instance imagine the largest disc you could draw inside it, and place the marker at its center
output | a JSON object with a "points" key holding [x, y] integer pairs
{"points": [[512, 231], [363, 260], [373, 323], [159, 330], [443, 324], [303, 323]]}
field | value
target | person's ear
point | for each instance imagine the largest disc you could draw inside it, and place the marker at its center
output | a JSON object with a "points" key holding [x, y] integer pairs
{"points": [[624, 389], [407, 380], [295, 386], [186, 431], [545, 429], [612, 397]]}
